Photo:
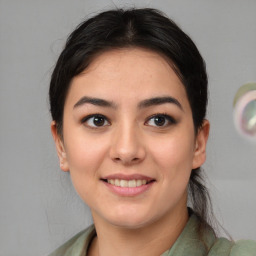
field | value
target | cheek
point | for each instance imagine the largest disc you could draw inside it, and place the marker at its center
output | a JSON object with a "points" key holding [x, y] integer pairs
{"points": [[85, 154], [170, 152], [173, 157]]}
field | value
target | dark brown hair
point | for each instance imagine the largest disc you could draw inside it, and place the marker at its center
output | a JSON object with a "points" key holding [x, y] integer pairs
{"points": [[146, 28]]}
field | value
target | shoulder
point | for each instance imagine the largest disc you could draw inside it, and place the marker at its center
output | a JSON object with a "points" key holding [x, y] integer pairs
{"points": [[77, 244], [224, 247], [244, 247]]}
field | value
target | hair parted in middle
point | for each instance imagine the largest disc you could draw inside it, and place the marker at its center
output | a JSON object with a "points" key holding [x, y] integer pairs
{"points": [[137, 28]]}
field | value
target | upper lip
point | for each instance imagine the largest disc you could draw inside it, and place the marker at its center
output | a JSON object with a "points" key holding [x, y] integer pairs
{"points": [[121, 176]]}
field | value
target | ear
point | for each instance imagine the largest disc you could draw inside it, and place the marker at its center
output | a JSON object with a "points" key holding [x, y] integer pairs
{"points": [[200, 144], [59, 147]]}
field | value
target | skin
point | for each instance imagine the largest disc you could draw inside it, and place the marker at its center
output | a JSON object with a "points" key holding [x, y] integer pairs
{"points": [[130, 141]]}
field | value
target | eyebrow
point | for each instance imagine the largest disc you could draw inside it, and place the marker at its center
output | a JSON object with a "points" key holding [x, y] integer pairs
{"points": [[143, 104], [158, 101], [95, 101]]}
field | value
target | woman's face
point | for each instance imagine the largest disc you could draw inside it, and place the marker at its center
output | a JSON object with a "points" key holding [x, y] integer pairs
{"points": [[128, 138]]}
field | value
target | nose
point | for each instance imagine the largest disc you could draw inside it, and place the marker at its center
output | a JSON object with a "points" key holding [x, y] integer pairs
{"points": [[127, 145]]}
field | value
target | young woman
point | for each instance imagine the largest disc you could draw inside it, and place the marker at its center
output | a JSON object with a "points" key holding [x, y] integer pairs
{"points": [[128, 100]]}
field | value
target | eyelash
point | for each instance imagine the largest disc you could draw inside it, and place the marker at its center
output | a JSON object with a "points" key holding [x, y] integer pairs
{"points": [[87, 118], [169, 119]]}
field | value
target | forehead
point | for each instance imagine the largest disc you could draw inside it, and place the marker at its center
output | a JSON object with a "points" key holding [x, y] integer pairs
{"points": [[131, 73], [135, 62]]}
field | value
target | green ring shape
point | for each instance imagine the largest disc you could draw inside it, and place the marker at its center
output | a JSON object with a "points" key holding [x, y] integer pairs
{"points": [[243, 90]]}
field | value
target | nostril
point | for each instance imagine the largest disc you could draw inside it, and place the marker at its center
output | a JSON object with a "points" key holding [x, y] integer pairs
{"points": [[127, 155], [127, 160]]}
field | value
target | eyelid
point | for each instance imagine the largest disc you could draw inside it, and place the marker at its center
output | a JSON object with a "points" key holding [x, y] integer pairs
{"points": [[169, 118], [86, 118]]}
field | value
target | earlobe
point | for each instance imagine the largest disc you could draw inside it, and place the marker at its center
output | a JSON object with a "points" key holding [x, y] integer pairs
{"points": [[200, 144], [59, 147]]}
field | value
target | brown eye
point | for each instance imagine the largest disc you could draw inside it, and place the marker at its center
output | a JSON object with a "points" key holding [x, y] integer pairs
{"points": [[98, 121], [160, 120], [95, 121]]}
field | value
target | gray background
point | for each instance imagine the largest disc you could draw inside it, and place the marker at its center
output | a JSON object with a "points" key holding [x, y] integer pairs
{"points": [[39, 208]]}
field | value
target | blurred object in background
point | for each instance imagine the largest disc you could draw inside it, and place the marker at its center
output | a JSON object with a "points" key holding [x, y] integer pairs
{"points": [[245, 111]]}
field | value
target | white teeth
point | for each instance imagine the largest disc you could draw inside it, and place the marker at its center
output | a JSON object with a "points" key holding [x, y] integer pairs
{"points": [[127, 183], [123, 183], [132, 183], [138, 183]]}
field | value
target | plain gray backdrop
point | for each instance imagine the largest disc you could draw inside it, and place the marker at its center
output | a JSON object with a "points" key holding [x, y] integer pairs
{"points": [[39, 208]]}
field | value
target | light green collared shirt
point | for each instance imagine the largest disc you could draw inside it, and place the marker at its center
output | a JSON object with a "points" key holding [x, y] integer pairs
{"points": [[187, 244]]}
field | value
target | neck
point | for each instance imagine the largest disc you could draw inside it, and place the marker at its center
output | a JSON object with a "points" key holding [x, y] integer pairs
{"points": [[153, 239]]}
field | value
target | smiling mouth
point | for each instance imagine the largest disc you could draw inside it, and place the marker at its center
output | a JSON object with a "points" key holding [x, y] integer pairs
{"points": [[127, 183]]}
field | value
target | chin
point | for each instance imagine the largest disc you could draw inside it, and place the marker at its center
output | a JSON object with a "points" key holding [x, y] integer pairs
{"points": [[129, 224], [130, 220]]}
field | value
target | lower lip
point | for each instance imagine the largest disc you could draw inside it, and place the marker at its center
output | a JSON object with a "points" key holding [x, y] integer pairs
{"points": [[126, 191]]}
